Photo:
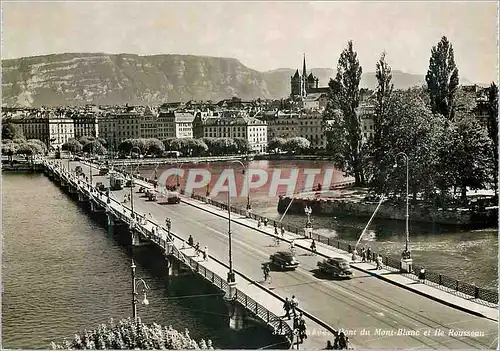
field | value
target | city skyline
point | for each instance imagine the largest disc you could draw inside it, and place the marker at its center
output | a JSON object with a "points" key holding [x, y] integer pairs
{"points": [[263, 36]]}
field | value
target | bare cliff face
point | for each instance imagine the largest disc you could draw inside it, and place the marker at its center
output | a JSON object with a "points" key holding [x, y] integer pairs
{"points": [[76, 79], [73, 79]]}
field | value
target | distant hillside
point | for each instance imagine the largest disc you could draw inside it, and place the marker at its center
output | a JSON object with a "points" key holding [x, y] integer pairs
{"points": [[75, 78]]}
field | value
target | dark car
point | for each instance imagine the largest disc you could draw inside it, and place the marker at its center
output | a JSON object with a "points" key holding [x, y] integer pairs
{"points": [[338, 267], [101, 187], [103, 171], [284, 260]]}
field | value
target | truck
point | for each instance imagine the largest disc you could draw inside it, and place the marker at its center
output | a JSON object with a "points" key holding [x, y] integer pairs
{"points": [[116, 181]]}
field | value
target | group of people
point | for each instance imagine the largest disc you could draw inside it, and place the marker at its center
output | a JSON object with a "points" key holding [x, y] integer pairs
{"points": [[299, 323], [259, 222], [367, 256], [341, 342], [197, 249]]}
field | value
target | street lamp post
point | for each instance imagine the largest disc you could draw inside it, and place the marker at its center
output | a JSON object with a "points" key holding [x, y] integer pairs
{"points": [[245, 170], [231, 280], [406, 260], [132, 183], [308, 212], [135, 282]]}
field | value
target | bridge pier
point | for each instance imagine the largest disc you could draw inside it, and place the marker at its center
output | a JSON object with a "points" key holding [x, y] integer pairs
{"points": [[136, 238], [237, 315], [82, 197], [94, 207]]}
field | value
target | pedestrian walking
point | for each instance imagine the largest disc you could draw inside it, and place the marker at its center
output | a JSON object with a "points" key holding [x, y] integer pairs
{"points": [[313, 246], [275, 229], [259, 223], [197, 249], [287, 306], [265, 222], [379, 262], [282, 231], [368, 254], [421, 275], [294, 304], [363, 255], [190, 240], [205, 254], [329, 345], [302, 328]]}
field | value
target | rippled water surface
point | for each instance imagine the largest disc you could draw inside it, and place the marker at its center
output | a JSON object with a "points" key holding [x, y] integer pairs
{"points": [[62, 273], [467, 255]]}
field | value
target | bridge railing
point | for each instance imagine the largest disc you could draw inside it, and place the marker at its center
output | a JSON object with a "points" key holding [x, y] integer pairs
{"points": [[279, 326], [481, 295]]}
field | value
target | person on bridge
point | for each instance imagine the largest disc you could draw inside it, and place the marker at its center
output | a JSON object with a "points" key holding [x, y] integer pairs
{"points": [[329, 345], [302, 328], [265, 222], [205, 254], [282, 231], [275, 229], [379, 262], [421, 275], [368, 254], [292, 247], [266, 270], [259, 223], [287, 306], [197, 249], [294, 304], [190, 240], [363, 255], [313, 247]]}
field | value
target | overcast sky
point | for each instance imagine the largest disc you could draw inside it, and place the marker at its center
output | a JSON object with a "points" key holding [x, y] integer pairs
{"points": [[263, 36]]}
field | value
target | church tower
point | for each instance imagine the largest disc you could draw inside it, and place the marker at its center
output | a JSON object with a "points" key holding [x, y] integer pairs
{"points": [[304, 78]]}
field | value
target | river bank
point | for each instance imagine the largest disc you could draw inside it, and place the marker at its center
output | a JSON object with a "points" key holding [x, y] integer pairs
{"points": [[353, 202]]}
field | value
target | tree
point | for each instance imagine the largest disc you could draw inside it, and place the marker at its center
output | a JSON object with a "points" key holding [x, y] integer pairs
{"points": [[155, 146], [442, 78], [210, 143], [131, 335], [11, 131], [242, 145], [493, 129], [125, 146], [40, 145], [72, 145], [380, 120], [276, 144], [297, 145], [469, 157], [167, 142], [224, 146], [344, 135], [413, 129], [103, 142], [84, 140], [9, 148], [95, 148], [199, 148]]}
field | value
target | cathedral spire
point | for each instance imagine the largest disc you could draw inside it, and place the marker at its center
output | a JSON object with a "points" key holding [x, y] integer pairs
{"points": [[304, 74]]}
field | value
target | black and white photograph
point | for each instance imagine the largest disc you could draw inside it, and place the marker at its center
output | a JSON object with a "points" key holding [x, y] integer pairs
{"points": [[244, 175]]}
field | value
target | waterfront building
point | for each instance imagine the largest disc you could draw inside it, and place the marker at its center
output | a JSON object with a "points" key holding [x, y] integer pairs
{"points": [[175, 124], [232, 125], [86, 124], [61, 129]]}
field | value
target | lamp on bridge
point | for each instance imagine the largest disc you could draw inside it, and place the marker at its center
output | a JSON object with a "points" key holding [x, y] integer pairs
{"points": [[132, 182], [406, 260], [245, 168], [308, 229], [168, 223], [231, 279], [135, 282]]}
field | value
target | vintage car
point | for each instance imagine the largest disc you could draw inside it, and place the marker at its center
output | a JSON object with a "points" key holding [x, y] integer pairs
{"points": [[103, 171], [100, 186], [337, 267], [284, 260], [78, 170]]}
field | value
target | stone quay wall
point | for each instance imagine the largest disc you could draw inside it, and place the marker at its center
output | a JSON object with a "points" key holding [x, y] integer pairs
{"points": [[324, 206]]}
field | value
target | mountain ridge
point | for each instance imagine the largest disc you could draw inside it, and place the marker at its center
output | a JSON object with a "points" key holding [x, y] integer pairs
{"points": [[102, 78]]}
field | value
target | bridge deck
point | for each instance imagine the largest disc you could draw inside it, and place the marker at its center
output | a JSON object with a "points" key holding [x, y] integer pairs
{"points": [[369, 307]]}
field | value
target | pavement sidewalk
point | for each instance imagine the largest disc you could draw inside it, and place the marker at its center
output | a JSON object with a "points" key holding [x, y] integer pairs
{"points": [[429, 289]]}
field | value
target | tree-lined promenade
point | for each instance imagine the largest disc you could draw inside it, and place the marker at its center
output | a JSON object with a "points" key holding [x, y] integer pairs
{"points": [[431, 130]]}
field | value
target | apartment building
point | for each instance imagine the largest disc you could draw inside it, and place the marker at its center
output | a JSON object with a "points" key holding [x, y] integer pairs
{"points": [[240, 126], [175, 124]]}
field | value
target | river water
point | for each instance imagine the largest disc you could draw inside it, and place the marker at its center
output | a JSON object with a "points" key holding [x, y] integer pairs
{"points": [[63, 273], [467, 255]]}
